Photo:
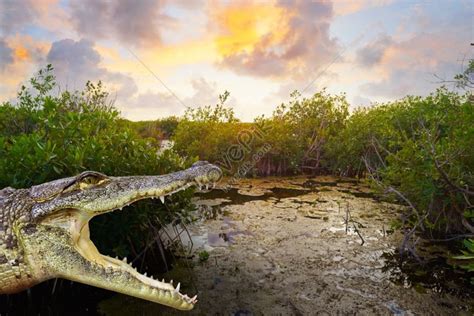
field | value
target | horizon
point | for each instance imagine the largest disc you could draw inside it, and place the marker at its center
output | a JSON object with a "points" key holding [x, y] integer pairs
{"points": [[159, 57]]}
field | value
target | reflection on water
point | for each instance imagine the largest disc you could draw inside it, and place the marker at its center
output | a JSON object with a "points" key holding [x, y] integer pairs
{"points": [[232, 196], [431, 273]]}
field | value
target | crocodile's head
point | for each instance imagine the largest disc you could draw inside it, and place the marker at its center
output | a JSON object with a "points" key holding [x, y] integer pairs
{"points": [[58, 243]]}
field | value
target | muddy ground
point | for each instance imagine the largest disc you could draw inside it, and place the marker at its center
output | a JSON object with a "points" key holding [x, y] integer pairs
{"points": [[283, 247]]}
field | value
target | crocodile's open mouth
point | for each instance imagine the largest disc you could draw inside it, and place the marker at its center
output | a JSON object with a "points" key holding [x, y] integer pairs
{"points": [[77, 223]]}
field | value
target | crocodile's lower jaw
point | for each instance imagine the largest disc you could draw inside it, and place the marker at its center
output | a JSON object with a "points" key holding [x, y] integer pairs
{"points": [[77, 223], [152, 290]]}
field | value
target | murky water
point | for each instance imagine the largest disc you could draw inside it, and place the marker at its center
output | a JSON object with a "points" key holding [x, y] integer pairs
{"points": [[283, 246], [298, 246]]}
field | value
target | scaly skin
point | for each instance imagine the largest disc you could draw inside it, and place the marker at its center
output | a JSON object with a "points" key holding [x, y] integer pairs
{"points": [[44, 232]]}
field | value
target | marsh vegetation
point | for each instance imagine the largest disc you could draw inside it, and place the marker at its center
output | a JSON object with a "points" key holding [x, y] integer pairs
{"points": [[404, 170]]}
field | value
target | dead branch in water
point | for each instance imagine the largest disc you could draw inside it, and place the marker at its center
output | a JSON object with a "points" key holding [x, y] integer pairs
{"points": [[349, 218]]}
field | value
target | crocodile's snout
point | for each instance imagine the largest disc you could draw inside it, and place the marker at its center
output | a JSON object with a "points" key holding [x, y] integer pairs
{"points": [[48, 225]]}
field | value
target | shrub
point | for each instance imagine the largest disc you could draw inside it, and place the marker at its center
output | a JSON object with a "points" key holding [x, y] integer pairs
{"points": [[45, 137]]}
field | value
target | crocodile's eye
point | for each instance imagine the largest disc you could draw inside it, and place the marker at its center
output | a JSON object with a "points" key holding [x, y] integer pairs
{"points": [[86, 180], [89, 181]]}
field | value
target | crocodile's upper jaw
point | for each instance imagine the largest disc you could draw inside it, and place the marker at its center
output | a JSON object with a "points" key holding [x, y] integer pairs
{"points": [[61, 245]]}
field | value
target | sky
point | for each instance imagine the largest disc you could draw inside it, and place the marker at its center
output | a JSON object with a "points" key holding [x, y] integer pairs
{"points": [[157, 57]]}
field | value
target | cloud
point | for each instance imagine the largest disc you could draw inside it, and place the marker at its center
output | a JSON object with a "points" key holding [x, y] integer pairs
{"points": [[76, 62], [20, 57], [402, 82], [350, 7], [135, 23], [205, 93], [372, 53], [409, 66], [360, 101], [163, 104], [17, 15], [14, 15], [149, 106], [288, 38], [408, 61], [6, 55]]}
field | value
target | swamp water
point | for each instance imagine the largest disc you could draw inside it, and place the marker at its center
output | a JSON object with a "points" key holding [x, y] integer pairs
{"points": [[282, 246]]}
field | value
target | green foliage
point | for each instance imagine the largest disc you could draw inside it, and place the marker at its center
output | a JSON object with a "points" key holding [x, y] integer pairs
{"points": [[214, 114], [296, 133], [158, 130], [467, 255], [203, 256], [422, 147], [465, 80], [300, 130], [45, 137], [207, 132]]}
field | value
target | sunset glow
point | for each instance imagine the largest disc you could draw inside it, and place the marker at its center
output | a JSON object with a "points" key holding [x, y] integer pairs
{"points": [[260, 51]]}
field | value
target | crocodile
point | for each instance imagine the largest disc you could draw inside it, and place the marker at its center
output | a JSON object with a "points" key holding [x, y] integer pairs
{"points": [[44, 232]]}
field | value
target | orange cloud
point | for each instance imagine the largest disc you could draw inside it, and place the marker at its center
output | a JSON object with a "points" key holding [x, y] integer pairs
{"points": [[28, 56], [160, 58], [268, 39], [27, 49], [243, 26], [21, 53]]}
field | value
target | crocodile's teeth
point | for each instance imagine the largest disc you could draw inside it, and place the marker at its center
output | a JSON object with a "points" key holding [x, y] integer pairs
{"points": [[177, 288], [124, 259], [171, 282], [162, 199]]}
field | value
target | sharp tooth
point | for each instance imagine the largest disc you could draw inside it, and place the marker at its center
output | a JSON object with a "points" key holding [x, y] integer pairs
{"points": [[144, 274], [124, 259], [193, 300], [162, 199], [171, 282], [163, 280], [177, 287]]}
